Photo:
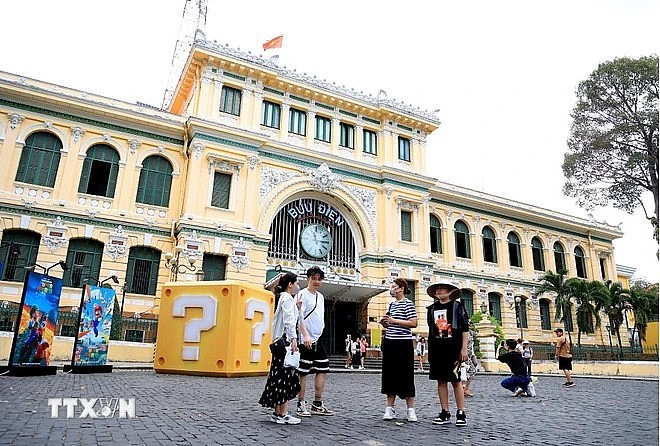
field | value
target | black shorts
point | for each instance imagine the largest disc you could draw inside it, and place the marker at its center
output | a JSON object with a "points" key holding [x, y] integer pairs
{"points": [[313, 360], [565, 363]]}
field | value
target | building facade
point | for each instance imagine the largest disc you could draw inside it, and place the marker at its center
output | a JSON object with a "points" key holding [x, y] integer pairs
{"points": [[254, 168]]}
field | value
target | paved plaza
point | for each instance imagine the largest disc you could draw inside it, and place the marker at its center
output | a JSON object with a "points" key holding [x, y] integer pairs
{"points": [[190, 410]]}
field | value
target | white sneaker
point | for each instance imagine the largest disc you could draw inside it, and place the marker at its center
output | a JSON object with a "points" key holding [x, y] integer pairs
{"points": [[287, 419], [412, 416], [518, 392], [389, 414]]}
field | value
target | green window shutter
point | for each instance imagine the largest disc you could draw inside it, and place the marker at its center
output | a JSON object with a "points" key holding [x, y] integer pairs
{"points": [[112, 181], [23, 253], [467, 299], [155, 181], [40, 159], [83, 260], [221, 190], [435, 234], [84, 175], [494, 306], [406, 226], [544, 308], [142, 270], [214, 267]]}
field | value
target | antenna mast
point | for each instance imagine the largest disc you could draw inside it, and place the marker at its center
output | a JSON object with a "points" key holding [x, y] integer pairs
{"points": [[193, 23]]}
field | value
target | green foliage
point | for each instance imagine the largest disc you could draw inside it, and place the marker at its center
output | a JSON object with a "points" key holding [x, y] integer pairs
{"points": [[117, 321], [590, 299], [644, 301], [612, 153], [475, 319]]}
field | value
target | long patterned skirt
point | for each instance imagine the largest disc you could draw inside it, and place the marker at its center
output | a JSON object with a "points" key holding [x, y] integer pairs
{"points": [[282, 384]]}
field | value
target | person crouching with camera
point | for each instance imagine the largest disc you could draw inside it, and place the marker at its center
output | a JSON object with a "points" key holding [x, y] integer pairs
{"points": [[519, 381]]}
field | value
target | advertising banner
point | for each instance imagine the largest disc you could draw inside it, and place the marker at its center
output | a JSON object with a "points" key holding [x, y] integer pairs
{"points": [[95, 322], [33, 339]]}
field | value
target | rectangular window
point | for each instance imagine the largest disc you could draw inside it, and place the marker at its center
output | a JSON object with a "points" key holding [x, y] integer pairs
{"points": [[404, 149], [323, 128], [214, 267], [221, 190], [370, 142], [545, 315], [141, 277], [270, 114], [297, 122], [230, 101], [602, 269], [406, 226], [134, 335], [346, 135]]}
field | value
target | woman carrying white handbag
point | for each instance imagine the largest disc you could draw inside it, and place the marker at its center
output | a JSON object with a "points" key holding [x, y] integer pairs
{"points": [[283, 383]]}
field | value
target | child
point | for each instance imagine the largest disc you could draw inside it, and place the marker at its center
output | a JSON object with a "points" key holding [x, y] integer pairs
{"points": [[519, 381]]}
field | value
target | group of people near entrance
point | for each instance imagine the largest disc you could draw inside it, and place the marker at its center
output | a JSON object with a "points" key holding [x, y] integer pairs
{"points": [[299, 320]]}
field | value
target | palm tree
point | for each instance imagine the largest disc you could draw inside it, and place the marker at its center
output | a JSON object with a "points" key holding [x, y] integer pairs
{"points": [[590, 298], [558, 285], [617, 301], [644, 302]]}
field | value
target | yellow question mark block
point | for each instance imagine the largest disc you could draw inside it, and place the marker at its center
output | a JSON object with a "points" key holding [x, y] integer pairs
{"points": [[214, 328]]}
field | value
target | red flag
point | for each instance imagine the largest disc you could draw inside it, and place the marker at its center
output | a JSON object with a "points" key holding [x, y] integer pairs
{"points": [[273, 43]]}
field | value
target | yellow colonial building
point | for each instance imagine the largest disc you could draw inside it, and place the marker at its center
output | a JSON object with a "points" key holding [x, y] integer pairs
{"points": [[252, 167]]}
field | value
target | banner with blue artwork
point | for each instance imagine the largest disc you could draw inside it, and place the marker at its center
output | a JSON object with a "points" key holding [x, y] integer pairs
{"points": [[33, 339], [95, 322]]}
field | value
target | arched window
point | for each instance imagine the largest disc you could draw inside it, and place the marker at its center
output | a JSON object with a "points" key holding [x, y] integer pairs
{"points": [[467, 297], [489, 244], [19, 249], [537, 254], [494, 306], [515, 258], [155, 181], [560, 261], [142, 270], [462, 235], [84, 261], [580, 265], [544, 310], [435, 234], [99, 171], [40, 159]]}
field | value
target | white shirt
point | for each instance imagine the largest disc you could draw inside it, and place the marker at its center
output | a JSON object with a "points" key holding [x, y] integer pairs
{"points": [[314, 322], [286, 317]]}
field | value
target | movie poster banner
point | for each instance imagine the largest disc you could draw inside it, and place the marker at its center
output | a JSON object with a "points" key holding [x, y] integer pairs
{"points": [[33, 340], [95, 322]]}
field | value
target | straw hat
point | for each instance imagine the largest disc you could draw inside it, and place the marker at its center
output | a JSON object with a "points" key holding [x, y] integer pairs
{"points": [[453, 293]]}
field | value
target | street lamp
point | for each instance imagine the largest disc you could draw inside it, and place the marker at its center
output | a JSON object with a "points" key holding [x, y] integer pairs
{"points": [[176, 266], [609, 335], [61, 264]]}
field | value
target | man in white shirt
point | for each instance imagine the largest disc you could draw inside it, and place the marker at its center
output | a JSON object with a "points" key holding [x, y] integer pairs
{"points": [[313, 357]]}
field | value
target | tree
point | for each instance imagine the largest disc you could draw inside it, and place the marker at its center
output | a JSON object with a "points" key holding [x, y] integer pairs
{"points": [[117, 322], [590, 299], [617, 302], [612, 153], [644, 302], [558, 285]]}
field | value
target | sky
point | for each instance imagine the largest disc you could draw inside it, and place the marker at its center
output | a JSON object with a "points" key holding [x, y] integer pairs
{"points": [[503, 74]]}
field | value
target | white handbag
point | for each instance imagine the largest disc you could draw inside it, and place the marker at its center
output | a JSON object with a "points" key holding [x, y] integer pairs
{"points": [[292, 359]]}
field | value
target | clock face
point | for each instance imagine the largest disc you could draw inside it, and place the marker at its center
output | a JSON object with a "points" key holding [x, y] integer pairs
{"points": [[316, 240]]}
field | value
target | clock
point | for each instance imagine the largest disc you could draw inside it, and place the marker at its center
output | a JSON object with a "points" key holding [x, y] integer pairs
{"points": [[315, 240]]}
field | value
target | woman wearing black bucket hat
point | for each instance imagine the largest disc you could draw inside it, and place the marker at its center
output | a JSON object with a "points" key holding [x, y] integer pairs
{"points": [[447, 346]]}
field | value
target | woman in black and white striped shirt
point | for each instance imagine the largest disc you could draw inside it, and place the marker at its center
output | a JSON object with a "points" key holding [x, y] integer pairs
{"points": [[398, 365]]}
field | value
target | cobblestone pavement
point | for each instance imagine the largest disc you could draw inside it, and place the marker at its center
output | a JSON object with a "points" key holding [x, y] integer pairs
{"points": [[190, 410]]}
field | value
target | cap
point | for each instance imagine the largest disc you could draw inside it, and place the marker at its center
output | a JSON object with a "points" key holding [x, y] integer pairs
{"points": [[446, 283], [525, 342]]}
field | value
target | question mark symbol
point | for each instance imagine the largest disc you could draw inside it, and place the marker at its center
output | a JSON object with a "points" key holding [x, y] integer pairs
{"points": [[260, 328], [194, 327]]}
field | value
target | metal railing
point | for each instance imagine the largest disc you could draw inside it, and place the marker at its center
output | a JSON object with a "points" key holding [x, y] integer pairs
{"points": [[600, 352]]}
